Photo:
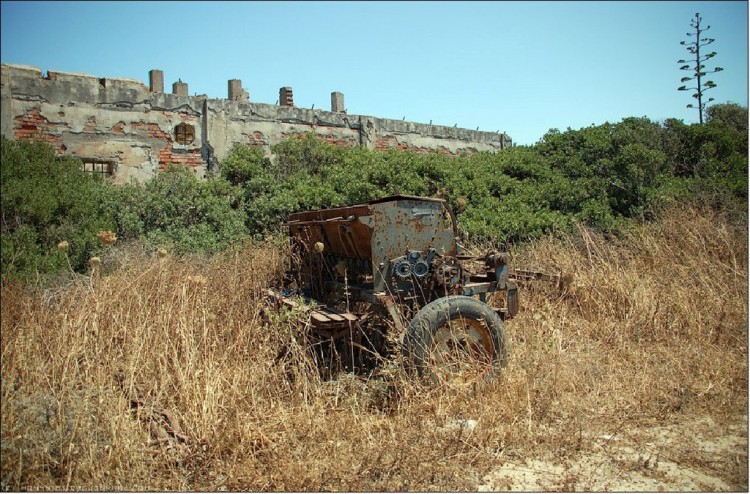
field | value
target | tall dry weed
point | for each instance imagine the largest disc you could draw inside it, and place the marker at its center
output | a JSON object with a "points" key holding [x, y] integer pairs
{"points": [[169, 374], [653, 324]]}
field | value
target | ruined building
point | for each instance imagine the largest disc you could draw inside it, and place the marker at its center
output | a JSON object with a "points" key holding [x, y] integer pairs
{"points": [[125, 129]]}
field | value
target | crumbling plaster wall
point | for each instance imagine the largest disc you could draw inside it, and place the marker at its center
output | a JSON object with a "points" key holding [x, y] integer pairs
{"points": [[115, 120], [121, 121], [258, 124]]}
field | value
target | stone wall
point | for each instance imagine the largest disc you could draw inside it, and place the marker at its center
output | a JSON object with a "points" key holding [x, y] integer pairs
{"points": [[140, 130]]}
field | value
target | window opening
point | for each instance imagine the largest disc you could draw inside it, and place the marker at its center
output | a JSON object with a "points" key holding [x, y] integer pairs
{"points": [[101, 168], [184, 133]]}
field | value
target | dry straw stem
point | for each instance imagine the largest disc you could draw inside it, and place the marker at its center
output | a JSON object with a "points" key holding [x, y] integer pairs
{"points": [[653, 330]]}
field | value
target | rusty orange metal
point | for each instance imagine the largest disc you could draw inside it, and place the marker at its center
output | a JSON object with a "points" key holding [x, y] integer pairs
{"points": [[391, 256]]}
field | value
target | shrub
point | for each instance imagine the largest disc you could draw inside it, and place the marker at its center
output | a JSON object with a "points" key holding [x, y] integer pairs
{"points": [[604, 175], [186, 214], [47, 199]]}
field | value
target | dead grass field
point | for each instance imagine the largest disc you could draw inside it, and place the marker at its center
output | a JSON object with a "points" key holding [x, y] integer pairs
{"points": [[164, 375]]}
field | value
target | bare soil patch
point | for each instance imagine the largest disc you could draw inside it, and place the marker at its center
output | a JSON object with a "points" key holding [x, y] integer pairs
{"points": [[695, 454]]}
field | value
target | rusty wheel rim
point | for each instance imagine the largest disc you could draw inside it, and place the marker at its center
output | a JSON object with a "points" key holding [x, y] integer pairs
{"points": [[462, 353]]}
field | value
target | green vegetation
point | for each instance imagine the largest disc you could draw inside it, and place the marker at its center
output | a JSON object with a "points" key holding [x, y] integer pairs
{"points": [[605, 176], [45, 200], [178, 211]]}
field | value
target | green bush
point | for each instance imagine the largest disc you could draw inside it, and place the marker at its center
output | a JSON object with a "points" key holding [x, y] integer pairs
{"points": [[605, 176], [602, 175], [186, 214], [47, 199]]}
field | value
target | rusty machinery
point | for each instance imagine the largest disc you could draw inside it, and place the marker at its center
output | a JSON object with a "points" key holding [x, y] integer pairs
{"points": [[394, 264]]}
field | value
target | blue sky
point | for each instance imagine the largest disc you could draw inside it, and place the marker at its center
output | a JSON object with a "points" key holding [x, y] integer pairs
{"points": [[518, 67]]}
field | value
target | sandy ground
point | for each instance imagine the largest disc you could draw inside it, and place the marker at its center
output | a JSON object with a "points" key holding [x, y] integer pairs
{"points": [[694, 455]]}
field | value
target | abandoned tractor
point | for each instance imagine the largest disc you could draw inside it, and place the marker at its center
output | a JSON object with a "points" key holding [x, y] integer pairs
{"points": [[389, 273]]}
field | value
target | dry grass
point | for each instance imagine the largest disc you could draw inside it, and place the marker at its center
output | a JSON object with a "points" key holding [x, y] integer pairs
{"points": [[167, 375]]}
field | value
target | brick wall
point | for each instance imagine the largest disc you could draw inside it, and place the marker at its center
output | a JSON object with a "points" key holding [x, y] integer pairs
{"points": [[33, 126]]}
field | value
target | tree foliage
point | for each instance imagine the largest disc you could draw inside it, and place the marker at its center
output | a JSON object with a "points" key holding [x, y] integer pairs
{"points": [[47, 199], [605, 176]]}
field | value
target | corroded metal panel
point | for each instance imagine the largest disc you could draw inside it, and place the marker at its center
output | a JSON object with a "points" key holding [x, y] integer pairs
{"points": [[380, 231], [344, 232], [408, 224]]}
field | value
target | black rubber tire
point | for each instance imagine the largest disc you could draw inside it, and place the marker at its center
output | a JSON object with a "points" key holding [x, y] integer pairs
{"points": [[420, 336]]}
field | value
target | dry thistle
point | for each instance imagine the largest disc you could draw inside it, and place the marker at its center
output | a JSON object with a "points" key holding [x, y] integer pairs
{"points": [[95, 262], [63, 246], [106, 237], [198, 280]]}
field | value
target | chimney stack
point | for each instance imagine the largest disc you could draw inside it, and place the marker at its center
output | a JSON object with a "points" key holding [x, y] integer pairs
{"points": [[337, 102], [285, 97], [180, 88], [156, 81], [236, 93]]}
